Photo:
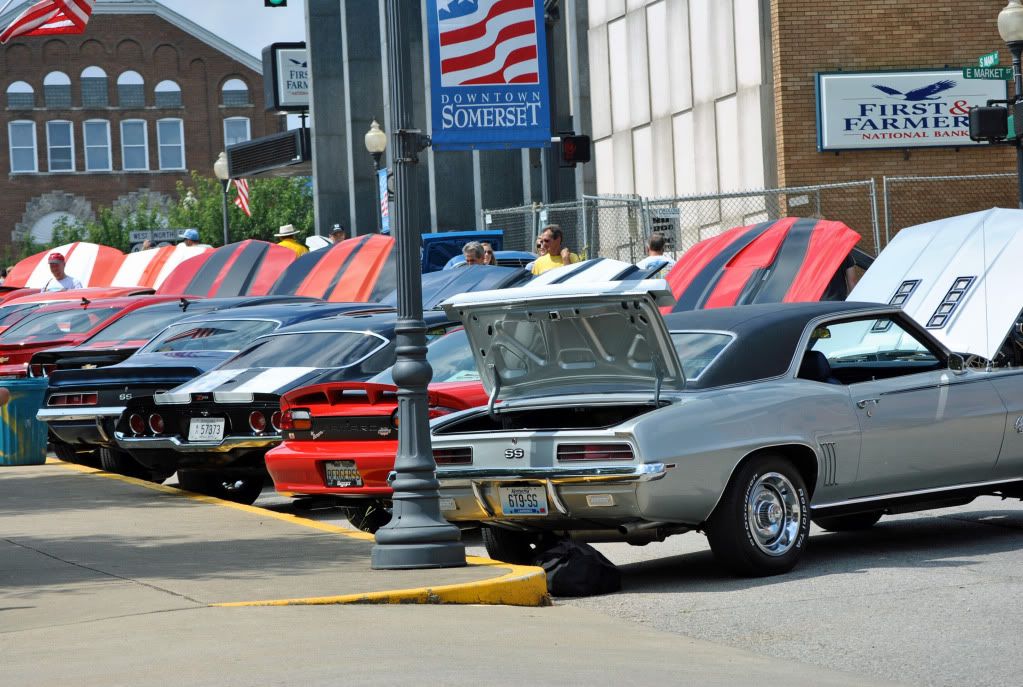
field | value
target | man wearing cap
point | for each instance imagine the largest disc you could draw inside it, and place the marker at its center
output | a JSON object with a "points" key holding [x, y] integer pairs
{"points": [[190, 237], [288, 233], [61, 280], [338, 234]]}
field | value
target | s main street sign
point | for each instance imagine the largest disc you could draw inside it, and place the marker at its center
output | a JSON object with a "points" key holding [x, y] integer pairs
{"points": [[910, 109]]}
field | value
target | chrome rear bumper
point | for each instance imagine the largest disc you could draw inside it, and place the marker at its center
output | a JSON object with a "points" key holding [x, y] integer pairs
{"points": [[78, 414], [225, 445]]}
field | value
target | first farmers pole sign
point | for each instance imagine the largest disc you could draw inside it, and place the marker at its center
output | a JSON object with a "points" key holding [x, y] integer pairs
{"points": [[899, 109], [488, 74]]}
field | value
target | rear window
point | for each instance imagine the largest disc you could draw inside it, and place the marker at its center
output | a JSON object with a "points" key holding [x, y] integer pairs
{"points": [[49, 326], [12, 314], [142, 324], [218, 335], [310, 349], [698, 350], [450, 357]]}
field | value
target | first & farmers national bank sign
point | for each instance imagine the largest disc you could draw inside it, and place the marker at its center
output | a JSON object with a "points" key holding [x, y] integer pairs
{"points": [[860, 110]]}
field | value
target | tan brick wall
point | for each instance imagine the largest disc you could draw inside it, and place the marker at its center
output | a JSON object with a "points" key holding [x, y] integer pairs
{"points": [[865, 35], [155, 49]]}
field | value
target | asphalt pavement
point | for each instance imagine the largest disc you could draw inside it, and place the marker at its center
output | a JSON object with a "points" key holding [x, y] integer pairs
{"points": [[111, 581]]}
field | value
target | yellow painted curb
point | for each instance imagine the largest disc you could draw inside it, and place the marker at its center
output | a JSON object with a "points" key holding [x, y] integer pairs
{"points": [[521, 585]]}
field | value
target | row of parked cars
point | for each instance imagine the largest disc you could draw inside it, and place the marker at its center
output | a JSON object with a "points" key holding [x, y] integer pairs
{"points": [[587, 402]]}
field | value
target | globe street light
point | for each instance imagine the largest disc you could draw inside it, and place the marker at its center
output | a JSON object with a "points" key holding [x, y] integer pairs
{"points": [[376, 144], [220, 169], [1010, 28]]}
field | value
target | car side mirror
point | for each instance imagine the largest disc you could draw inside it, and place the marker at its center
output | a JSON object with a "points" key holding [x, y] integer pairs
{"points": [[956, 363]]}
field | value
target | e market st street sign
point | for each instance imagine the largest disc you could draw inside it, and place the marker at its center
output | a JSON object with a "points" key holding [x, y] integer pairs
{"points": [[995, 73]]}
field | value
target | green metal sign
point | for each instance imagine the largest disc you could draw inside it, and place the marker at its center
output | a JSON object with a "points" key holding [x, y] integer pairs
{"points": [[989, 60], [993, 73]]}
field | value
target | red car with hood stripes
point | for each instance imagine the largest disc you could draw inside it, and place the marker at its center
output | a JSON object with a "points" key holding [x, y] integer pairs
{"points": [[340, 439]]}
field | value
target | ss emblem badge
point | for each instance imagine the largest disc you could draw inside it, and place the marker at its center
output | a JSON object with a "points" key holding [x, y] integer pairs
{"points": [[514, 453]]}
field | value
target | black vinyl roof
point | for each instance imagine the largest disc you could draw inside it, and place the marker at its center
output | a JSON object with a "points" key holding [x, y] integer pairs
{"points": [[766, 336]]}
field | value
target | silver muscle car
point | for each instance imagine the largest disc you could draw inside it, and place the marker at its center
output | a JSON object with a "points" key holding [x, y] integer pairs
{"points": [[745, 423]]}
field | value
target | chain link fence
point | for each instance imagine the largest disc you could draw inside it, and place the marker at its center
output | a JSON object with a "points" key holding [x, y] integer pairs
{"points": [[916, 200], [618, 226]]}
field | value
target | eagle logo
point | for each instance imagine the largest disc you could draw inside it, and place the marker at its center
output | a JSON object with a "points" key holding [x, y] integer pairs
{"points": [[929, 92], [299, 63]]}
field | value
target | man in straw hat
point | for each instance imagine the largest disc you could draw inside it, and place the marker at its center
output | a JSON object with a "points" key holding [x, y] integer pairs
{"points": [[61, 280], [288, 234]]}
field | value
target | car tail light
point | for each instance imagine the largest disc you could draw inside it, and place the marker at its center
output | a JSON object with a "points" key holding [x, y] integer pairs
{"points": [[275, 420], [257, 421], [570, 452], [64, 400], [296, 420], [460, 455], [137, 424], [156, 423]]}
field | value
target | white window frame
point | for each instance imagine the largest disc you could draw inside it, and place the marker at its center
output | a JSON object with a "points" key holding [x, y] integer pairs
{"points": [[35, 147], [86, 146], [160, 143], [49, 148], [145, 145], [248, 128]]}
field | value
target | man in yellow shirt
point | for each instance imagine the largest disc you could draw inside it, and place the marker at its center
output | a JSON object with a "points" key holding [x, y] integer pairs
{"points": [[556, 255], [288, 234]]}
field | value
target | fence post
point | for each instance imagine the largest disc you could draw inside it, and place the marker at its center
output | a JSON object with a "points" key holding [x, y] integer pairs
{"points": [[887, 209], [873, 215]]}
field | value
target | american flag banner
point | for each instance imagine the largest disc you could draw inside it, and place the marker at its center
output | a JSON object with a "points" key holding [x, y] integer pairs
{"points": [[242, 199], [48, 17], [488, 67]]}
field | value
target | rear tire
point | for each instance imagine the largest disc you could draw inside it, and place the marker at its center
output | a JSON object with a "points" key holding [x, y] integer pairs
{"points": [[68, 454], [368, 517], [849, 523], [511, 546], [121, 463], [762, 523], [238, 489]]}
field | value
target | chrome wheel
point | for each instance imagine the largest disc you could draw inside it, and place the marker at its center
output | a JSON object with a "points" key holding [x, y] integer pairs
{"points": [[774, 513]]}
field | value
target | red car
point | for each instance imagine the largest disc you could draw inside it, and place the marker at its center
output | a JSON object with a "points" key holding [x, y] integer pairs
{"points": [[16, 305], [63, 324], [340, 438]]}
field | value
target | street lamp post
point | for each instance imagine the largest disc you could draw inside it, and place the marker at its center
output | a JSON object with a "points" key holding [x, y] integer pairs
{"points": [[376, 144], [1010, 28], [417, 536], [220, 169]]}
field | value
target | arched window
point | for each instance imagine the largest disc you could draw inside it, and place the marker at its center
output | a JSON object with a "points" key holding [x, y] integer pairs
{"points": [[131, 90], [235, 93], [57, 90], [20, 96], [236, 130], [94, 88], [168, 94], [22, 137]]}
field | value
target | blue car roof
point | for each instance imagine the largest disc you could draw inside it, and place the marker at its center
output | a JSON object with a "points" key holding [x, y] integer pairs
{"points": [[439, 286], [370, 321], [286, 313]]}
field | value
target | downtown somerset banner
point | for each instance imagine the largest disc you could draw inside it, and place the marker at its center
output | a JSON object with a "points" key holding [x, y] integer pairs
{"points": [[907, 109], [488, 74]]}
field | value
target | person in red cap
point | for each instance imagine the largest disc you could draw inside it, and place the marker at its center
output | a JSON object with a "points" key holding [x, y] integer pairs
{"points": [[61, 280]]}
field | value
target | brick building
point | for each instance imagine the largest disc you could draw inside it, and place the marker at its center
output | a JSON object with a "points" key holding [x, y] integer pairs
{"points": [[698, 97], [121, 112]]}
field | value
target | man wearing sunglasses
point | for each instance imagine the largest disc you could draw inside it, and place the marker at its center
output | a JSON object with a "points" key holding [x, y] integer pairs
{"points": [[555, 254]]}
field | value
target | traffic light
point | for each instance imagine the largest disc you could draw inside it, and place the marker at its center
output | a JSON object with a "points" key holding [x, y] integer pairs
{"points": [[574, 149], [275, 3]]}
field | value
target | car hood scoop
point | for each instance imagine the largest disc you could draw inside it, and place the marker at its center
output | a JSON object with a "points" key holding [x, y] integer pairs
{"points": [[568, 339]]}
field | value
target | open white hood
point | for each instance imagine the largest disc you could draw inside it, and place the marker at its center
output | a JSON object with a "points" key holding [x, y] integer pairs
{"points": [[958, 277], [571, 338]]}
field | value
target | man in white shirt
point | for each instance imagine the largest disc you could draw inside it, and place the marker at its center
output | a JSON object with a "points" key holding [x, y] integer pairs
{"points": [[655, 254], [61, 280]]}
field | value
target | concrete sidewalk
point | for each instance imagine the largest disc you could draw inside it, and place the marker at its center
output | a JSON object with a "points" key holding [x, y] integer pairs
{"points": [[109, 581], [64, 525]]}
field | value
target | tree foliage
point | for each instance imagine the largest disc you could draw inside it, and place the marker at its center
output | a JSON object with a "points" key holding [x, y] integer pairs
{"points": [[273, 201]]}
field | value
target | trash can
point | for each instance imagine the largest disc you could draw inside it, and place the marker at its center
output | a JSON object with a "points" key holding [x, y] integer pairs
{"points": [[22, 436]]}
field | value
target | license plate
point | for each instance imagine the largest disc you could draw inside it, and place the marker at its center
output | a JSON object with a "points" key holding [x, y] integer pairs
{"points": [[342, 473], [206, 429], [523, 500]]}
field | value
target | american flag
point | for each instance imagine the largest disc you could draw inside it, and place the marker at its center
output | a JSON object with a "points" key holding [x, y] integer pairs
{"points": [[49, 17], [487, 42], [242, 200]]}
